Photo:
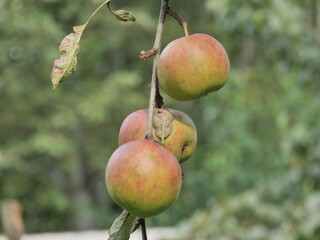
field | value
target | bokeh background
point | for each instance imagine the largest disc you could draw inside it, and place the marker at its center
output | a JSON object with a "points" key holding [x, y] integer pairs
{"points": [[256, 171]]}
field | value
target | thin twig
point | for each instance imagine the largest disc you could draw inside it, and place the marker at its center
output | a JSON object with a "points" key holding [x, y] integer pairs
{"points": [[156, 47], [146, 54], [143, 228], [171, 12]]}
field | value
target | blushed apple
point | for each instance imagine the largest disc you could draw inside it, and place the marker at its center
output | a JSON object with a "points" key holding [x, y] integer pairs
{"points": [[143, 177], [181, 142], [192, 66]]}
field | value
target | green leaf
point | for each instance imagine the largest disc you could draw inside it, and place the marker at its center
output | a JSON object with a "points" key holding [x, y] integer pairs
{"points": [[123, 15], [66, 65], [122, 226], [162, 123]]}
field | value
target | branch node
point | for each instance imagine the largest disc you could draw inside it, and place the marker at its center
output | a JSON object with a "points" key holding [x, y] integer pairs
{"points": [[146, 54]]}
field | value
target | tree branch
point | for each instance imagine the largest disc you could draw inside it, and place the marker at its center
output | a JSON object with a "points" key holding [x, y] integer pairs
{"points": [[157, 49]]}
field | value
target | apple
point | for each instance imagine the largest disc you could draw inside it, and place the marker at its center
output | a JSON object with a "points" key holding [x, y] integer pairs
{"points": [[192, 66], [181, 141], [143, 177]]}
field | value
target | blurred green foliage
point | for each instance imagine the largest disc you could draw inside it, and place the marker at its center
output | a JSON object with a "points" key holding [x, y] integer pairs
{"points": [[256, 170], [265, 158]]}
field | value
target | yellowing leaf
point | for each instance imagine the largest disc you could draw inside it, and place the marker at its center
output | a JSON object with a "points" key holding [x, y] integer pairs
{"points": [[162, 123], [66, 65]]}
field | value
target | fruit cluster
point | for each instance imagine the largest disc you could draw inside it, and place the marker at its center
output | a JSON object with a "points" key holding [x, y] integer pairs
{"points": [[144, 176]]}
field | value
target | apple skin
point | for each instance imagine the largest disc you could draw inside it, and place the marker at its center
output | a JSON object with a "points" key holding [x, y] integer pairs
{"points": [[143, 177], [192, 66], [181, 142]]}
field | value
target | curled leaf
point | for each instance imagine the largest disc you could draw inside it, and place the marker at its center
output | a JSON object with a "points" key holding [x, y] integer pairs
{"points": [[66, 65], [122, 226], [122, 15], [162, 123]]}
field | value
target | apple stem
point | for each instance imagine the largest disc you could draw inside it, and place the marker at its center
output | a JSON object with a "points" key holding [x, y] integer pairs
{"points": [[143, 228], [157, 49], [173, 13]]}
